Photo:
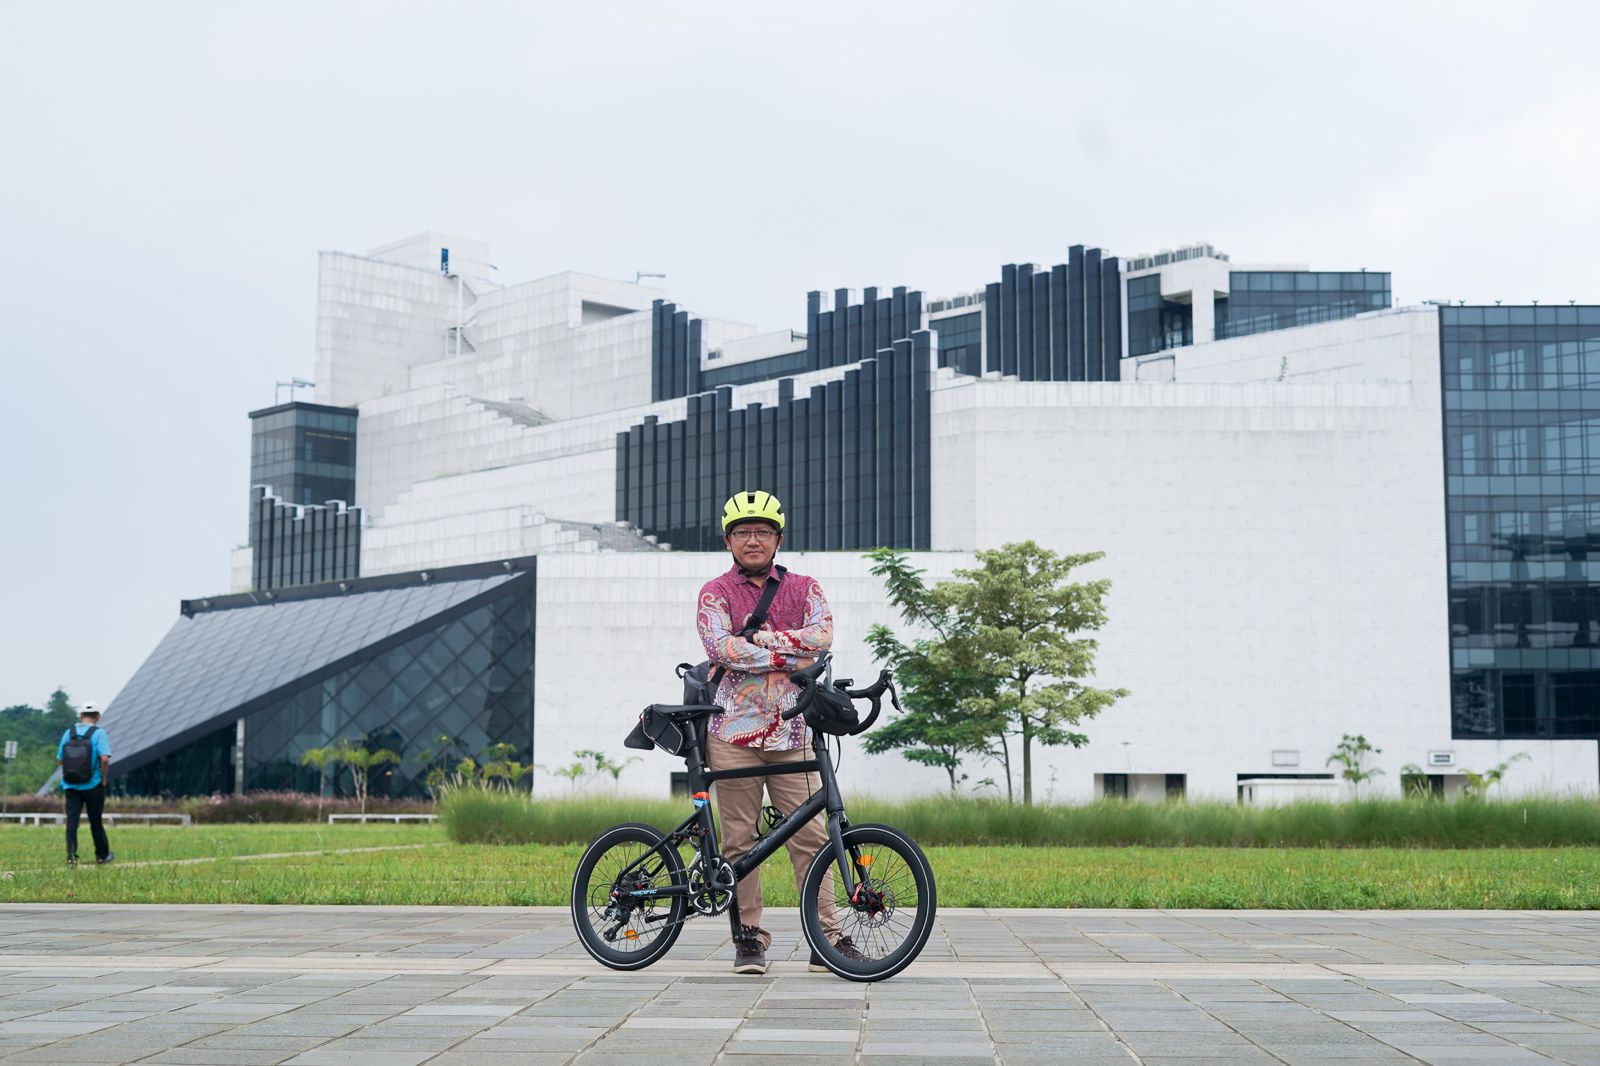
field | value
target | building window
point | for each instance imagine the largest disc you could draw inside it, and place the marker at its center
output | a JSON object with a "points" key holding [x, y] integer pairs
{"points": [[1155, 324], [960, 341], [1262, 301], [1177, 786], [1114, 786]]}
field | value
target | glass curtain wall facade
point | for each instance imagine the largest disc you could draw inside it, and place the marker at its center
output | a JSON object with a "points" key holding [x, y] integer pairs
{"points": [[1155, 324], [1522, 481], [304, 452], [961, 342], [1260, 301], [433, 666], [850, 461], [201, 768], [714, 376], [446, 693]]}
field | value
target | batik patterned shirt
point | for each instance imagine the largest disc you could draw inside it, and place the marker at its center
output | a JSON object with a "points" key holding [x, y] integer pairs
{"points": [[756, 688]]}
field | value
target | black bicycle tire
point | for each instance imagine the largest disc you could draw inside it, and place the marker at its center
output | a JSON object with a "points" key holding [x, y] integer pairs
{"points": [[927, 905], [588, 936]]}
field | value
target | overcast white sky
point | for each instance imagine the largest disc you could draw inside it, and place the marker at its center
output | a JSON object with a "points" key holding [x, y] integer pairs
{"points": [[168, 172]]}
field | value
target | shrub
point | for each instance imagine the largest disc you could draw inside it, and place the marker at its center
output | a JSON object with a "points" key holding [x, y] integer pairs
{"points": [[220, 809], [53, 802], [290, 807], [475, 815]]}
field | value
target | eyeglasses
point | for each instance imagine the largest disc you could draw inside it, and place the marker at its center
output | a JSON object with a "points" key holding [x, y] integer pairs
{"points": [[763, 535]]}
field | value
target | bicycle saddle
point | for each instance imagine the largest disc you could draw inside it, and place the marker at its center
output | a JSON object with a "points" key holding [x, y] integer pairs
{"points": [[683, 712]]}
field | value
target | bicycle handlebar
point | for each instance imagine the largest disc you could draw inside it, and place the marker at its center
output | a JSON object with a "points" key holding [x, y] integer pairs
{"points": [[807, 680]]}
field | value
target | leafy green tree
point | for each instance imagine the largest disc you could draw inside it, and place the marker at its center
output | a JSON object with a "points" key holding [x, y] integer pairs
{"points": [[933, 729], [1351, 755], [61, 709], [37, 732], [1020, 615], [1006, 641]]}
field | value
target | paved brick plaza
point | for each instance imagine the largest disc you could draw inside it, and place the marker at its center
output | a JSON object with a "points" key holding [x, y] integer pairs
{"points": [[396, 986]]}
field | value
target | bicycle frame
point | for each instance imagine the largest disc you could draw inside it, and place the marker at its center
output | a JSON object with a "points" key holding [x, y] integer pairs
{"points": [[702, 826]]}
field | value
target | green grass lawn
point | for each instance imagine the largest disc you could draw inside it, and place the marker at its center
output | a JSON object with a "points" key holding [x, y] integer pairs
{"points": [[522, 875], [44, 847]]}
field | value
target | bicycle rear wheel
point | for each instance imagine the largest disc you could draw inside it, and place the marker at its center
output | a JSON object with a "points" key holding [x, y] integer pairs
{"points": [[892, 915], [619, 933]]}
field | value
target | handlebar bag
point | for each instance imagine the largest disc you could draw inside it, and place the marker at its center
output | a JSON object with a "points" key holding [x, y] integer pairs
{"points": [[831, 711]]}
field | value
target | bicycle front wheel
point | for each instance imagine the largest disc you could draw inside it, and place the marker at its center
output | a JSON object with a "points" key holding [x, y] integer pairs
{"points": [[617, 930], [885, 926]]}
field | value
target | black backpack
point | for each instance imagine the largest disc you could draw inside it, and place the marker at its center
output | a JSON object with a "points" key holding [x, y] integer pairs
{"points": [[77, 758]]}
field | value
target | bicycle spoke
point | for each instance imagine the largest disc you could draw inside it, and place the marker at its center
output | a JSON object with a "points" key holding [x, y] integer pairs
{"points": [[885, 874], [637, 933]]}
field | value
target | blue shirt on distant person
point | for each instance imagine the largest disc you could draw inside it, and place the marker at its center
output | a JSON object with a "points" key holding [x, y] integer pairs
{"points": [[100, 745]]}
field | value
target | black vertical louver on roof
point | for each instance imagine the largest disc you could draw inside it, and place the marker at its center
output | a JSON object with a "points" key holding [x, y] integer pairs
{"points": [[301, 545], [849, 460], [1061, 324], [677, 343], [847, 333]]}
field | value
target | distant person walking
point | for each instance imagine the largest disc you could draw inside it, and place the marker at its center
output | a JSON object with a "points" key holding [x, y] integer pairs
{"points": [[85, 757]]}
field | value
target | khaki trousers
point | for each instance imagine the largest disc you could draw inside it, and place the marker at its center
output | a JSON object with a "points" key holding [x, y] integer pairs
{"points": [[739, 805]]}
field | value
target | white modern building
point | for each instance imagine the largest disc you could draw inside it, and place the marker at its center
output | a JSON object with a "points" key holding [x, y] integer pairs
{"points": [[1321, 514]]}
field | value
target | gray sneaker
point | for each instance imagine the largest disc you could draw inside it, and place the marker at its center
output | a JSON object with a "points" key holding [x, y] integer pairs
{"points": [[748, 956], [845, 946]]}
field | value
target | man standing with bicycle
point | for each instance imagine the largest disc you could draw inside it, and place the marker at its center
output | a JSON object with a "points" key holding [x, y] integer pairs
{"points": [[755, 689]]}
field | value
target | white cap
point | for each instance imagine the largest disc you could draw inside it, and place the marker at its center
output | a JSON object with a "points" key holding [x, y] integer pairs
{"points": [[90, 707]]}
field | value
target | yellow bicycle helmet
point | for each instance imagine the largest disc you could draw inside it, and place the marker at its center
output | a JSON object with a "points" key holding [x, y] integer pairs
{"points": [[752, 506]]}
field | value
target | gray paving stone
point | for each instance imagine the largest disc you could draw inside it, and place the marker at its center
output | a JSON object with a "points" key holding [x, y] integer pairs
{"points": [[646, 1058], [1447, 1053], [1120, 1058], [1338, 1053], [739, 1059], [217, 1057], [359, 1058], [1172, 984], [1239, 1055], [234, 1040], [500, 1058]]}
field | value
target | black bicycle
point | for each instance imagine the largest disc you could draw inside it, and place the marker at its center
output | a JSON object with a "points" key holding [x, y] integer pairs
{"points": [[633, 889]]}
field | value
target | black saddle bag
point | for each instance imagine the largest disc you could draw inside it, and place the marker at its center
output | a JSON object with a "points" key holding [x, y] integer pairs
{"points": [[658, 731]]}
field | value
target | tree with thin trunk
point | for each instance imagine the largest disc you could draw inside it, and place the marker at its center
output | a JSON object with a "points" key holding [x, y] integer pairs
{"points": [[1351, 755], [1021, 617], [933, 729], [360, 759]]}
